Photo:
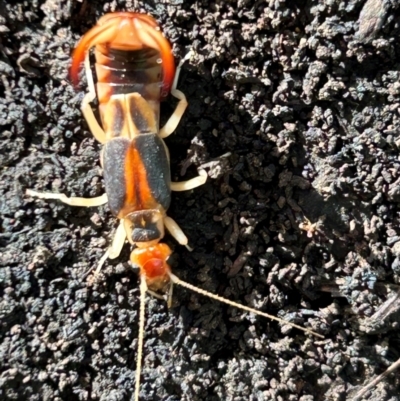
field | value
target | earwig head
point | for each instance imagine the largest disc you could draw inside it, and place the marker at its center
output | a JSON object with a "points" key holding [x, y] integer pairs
{"points": [[152, 262], [144, 227], [126, 31]]}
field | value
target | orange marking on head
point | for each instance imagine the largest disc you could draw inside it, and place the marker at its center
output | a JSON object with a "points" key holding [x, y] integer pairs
{"points": [[152, 262], [126, 31]]}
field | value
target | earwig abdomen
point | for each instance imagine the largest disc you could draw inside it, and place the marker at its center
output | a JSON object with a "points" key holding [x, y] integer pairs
{"points": [[129, 71]]}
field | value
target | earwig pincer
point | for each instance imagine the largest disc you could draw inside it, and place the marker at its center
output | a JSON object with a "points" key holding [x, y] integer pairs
{"points": [[135, 70]]}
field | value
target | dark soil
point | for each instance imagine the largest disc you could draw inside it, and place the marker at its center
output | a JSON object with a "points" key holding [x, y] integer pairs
{"points": [[301, 220]]}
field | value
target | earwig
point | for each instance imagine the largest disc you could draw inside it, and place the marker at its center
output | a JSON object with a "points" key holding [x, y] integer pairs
{"points": [[135, 69]]}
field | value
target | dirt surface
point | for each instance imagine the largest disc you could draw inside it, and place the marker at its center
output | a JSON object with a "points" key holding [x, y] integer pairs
{"points": [[300, 220]]}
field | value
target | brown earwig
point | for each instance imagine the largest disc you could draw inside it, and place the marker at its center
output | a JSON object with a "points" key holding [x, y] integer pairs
{"points": [[135, 69]]}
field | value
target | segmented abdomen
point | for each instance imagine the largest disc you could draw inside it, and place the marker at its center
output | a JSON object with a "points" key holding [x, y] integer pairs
{"points": [[129, 71]]}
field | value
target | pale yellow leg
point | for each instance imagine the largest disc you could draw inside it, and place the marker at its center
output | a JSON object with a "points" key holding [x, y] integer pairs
{"points": [[86, 202], [155, 295], [118, 241], [176, 231], [115, 249], [173, 121], [167, 297], [190, 184], [87, 111]]}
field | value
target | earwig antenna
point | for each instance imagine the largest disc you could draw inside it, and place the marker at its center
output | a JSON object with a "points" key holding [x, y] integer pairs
{"points": [[178, 281], [143, 289], [170, 293]]}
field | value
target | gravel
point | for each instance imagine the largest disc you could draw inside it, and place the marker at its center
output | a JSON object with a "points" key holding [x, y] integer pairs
{"points": [[294, 111]]}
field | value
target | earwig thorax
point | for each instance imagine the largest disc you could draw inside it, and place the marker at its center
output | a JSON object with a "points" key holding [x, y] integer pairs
{"points": [[144, 227]]}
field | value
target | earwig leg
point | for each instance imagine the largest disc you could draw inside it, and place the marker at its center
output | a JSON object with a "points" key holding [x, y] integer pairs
{"points": [[118, 241], [87, 111], [190, 184], [86, 202], [167, 297], [173, 121], [89, 78], [115, 249], [176, 232], [91, 120], [101, 263], [155, 295]]}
